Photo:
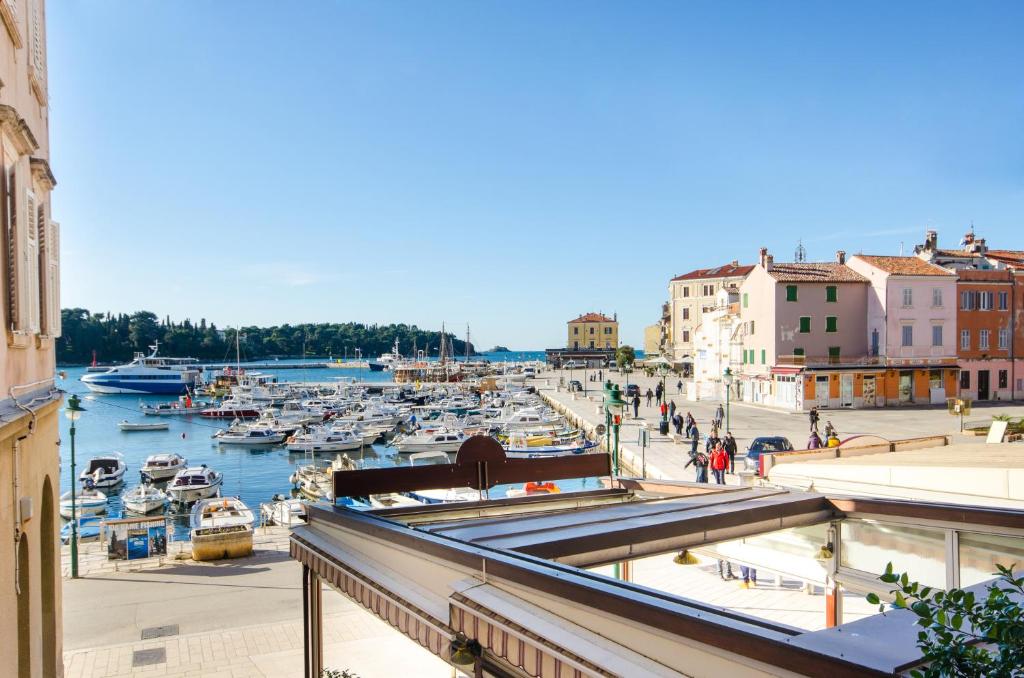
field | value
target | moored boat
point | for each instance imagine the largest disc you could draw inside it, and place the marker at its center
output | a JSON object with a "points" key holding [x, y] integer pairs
{"points": [[193, 484], [140, 426], [104, 471], [150, 374], [324, 440], [162, 467], [283, 511], [246, 435], [143, 499], [441, 440], [221, 528], [87, 502]]}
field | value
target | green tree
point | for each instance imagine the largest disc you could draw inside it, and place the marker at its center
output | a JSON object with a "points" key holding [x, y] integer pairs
{"points": [[625, 355], [964, 634]]}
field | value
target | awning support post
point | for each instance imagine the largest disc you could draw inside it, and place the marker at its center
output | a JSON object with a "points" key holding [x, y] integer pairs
{"points": [[312, 630]]}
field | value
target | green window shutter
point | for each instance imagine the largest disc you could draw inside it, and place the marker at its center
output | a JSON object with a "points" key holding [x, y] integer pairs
{"points": [[744, 300], [798, 351], [831, 293], [833, 351], [805, 324], [790, 292], [764, 355], [831, 324]]}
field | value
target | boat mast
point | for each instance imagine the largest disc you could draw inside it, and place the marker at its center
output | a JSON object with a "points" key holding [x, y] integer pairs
{"points": [[467, 342], [441, 352]]}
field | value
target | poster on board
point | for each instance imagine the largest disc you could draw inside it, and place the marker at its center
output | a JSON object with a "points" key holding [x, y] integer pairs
{"points": [[135, 538]]}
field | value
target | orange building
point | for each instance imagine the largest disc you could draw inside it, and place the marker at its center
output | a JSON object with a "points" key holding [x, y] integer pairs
{"points": [[990, 342]]}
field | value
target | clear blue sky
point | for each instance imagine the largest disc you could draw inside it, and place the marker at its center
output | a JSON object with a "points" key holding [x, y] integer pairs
{"points": [[512, 164]]}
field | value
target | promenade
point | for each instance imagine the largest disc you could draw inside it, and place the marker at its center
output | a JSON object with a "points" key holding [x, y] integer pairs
{"points": [[667, 459]]}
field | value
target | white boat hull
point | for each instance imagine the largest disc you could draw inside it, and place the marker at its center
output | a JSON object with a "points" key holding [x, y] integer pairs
{"points": [[339, 446], [144, 427], [187, 495], [159, 475], [447, 447], [143, 506], [91, 507]]}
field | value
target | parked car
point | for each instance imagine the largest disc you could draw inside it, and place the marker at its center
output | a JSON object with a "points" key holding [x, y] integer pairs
{"points": [[573, 365], [752, 462], [575, 385], [632, 390]]}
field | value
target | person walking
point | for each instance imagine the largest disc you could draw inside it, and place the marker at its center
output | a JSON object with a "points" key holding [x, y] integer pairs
{"points": [[677, 423], [636, 406], [650, 394], [719, 416], [690, 423], [663, 410], [814, 418], [749, 576], [671, 408], [725, 570], [694, 439], [700, 463], [830, 430], [658, 392], [679, 387], [719, 462], [730, 448]]}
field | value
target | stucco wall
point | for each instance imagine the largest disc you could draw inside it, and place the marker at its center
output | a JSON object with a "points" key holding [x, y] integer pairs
{"points": [[850, 308]]}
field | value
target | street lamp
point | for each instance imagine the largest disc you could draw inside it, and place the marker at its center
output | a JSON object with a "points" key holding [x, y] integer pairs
{"points": [[73, 410], [615, 403], [727, 378]]}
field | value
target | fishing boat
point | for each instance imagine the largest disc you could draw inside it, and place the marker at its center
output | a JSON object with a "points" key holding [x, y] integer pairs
{"points": [[143, 499], [104, 471], [193, 484], [232, 408], [87, 503], [519, 448], [221, 528], [142, 426], [283, 511], [88, 530], [246, 435], [441, 440], [324, 440], [183, 405], [150, 374], [162, 467]]}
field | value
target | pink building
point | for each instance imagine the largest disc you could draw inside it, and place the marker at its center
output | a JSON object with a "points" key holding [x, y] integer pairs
{"points": [[911, 325]]}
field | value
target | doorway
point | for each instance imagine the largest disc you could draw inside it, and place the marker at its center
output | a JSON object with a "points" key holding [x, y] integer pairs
{"points": [[846, 390], [906, 387], [821, 391], [983, 391]]}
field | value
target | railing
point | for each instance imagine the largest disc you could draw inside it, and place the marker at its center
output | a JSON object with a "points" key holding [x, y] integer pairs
{"points": [[832, 360]]}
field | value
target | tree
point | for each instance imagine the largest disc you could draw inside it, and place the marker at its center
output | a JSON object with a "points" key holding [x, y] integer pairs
{"points": [[961, 634], [625, 355]]}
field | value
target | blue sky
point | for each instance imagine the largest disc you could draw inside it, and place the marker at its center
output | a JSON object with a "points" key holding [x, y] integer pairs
{"points": [[512, 164]]}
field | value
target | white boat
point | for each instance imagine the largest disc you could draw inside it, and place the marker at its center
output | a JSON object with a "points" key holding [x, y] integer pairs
{"points": [[441, 440], [161, 467], [146, 375], [324, 440], [193, 484], [448, 496], [104, 471], [317, 482], [393, 500], [183, 405], [245, 435], [283, 511], [138, 426], [87, 503], [143, 499], [527, 417], [519, 448], [221, 528]]}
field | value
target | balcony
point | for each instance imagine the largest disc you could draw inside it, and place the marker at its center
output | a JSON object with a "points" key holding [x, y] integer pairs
{"points": [[830, 360]]}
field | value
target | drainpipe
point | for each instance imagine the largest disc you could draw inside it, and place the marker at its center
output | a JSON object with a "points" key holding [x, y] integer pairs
{"points": [[1013, 335]]}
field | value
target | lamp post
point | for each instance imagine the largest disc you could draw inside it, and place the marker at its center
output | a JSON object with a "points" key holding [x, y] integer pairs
{"points": [[727, 378], [73, 410], [663, 372], [613, 410]]}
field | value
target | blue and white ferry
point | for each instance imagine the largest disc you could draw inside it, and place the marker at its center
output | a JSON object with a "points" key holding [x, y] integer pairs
{"points": [[147, 375]]}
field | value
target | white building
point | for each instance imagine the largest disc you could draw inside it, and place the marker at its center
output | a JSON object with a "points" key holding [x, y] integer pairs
{"points": [[717, 345]]}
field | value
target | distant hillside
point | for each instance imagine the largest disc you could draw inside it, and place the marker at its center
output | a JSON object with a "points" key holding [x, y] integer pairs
{"points": [[115, 337], [498, 349]]}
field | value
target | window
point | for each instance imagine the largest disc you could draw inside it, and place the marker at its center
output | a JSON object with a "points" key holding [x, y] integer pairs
{"points": [[1004, 299], [591, 344], [790, 292], [965, 379], [833, 354], [983, 340], [798, 351], [967, 301], [965, 340], [1004, 379], [805, 324], [831, 323], [1004, 339], [908, 297], [686, 291], [751, 327], [591, 330], [936, 335], [686, 313], [686, 336], [607, 330], [576, 345], [764, 356], [708, 290], [985, 301], [751, 356], [831, 293], [908, 335], [937, 297], [576, 330], [744, 300], [12, 304]]}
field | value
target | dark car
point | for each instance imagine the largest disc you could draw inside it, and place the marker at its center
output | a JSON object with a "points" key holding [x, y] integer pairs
{"points": [[632, 390], [575, 385], [764, 444]]}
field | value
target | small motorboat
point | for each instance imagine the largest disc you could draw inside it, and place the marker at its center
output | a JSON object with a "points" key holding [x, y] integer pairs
{"points": [[162, 467], [183, 405], [325, 440], [143, 499], [448, 496], [519, 448], [221, 528], [104, 471], [534, 488], [245, 435], [441, 440], [283, 511], [129, 426], [317, 482], [88, 530], [193, 484], [87, 503]]}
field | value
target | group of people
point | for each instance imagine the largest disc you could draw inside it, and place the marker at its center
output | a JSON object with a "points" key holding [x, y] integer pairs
{"points": [[815, 441], [718, 455]]}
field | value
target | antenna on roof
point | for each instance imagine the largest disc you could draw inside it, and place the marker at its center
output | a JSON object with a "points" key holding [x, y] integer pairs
{"points": [[800, 255]]}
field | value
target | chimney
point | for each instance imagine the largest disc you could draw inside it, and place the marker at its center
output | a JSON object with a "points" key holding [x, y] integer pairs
{"points": [[979, 246], [735, 263], [763, 258], [769, 262], [931, 241], [840, 256]]}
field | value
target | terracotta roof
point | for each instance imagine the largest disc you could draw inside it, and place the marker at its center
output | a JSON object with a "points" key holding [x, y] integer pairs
{"points": [[904, 265], [1007, 256], [593, 318], [815, 272], [985, 275], [726, 271]]}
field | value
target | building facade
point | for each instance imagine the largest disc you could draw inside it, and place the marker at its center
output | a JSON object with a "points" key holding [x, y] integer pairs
{"points": [[691, 295], [30, 629], [911, 325], [990, 340], [717, 346], [593, 331]]}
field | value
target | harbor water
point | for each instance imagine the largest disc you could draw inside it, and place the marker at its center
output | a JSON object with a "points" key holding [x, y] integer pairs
{"points": [[255, 475]]}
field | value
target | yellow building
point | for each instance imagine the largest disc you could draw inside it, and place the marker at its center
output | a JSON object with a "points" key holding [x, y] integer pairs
{"points": [[593, 331], [652, 339], [30, 628]]}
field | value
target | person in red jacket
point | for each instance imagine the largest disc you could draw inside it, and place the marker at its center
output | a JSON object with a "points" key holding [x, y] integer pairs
{"points": [[719, 462]]}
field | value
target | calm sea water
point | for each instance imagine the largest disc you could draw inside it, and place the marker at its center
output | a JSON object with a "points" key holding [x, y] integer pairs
{"points": [[255, 474]]}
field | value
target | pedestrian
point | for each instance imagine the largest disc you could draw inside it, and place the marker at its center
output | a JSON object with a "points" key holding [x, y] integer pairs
{"points": [[814, 442], [814, 418], [830, 430], [719, 462], [690, 423], [700, 462], [749, 575], [694, 439], [730, 448], [664, 411], [677, 422], [725, 570], [672, 408], [636, 406], [719, 416], [658, 392], [679, 387], [650, 394]]}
